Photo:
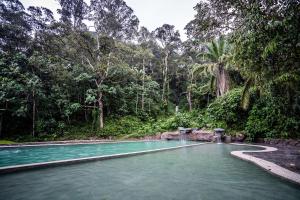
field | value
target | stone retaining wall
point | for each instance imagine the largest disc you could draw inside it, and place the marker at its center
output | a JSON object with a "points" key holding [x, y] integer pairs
{"points": [[280, 142], [201, 135]]}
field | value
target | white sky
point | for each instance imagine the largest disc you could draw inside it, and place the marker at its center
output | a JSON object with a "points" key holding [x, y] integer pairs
{"points": [[151, 13]]}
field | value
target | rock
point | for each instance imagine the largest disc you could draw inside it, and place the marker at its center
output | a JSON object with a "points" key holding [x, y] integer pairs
{"points": [[195, 135], [215, 138], [152, 137], [293, 142], [170, 135], [282, 142], [227, 139], [158, 136], [260, 140], [201, 135], [297, 162], [240, 137]]}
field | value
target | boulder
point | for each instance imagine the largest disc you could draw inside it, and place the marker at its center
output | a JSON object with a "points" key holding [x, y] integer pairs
{"points": [[297, 162], [227, 139], [201, 135], [170, 135], [153, 137], [195, 135], [240, 137]]}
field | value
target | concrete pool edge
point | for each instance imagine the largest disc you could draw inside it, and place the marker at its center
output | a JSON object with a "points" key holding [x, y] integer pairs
{"points": [[266, 165], [71, 142], [25, 167]]}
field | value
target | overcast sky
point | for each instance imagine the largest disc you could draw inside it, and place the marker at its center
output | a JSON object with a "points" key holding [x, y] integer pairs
{"points": [[151, 13]]}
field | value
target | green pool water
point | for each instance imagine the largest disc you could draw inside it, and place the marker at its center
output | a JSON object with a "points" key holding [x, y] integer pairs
{"points": [[37, 154], [205, 172]]}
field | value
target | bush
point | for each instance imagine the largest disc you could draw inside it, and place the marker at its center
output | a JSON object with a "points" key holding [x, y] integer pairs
{"points": [[46, 126], [225, 112], [267, 119], [179, 120], [121, 126]]}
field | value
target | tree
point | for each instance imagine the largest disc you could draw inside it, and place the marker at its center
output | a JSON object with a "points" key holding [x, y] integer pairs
{"points": [[215, 54], [145, 54], [169, 40], [113, 18], [266, 51], [34, 87], [14, 29], [73, 12], [212, 20], [39, 18], [189, 62], [19, 88]]}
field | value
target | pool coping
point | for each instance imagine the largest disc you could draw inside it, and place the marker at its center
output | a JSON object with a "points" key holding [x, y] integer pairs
{"points": [[71, 142], [25, 167], [266, 165]]}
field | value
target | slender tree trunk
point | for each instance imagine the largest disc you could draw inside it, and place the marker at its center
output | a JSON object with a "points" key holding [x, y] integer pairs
{"points": [[100, 108], [143, 86], [208, 99], [94, 117], [136, 103], [165, 80], [33, 113], [189, 99], [163, 89]]}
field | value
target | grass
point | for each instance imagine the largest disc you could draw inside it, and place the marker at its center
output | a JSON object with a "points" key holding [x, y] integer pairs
{"points": [[6, 142]]}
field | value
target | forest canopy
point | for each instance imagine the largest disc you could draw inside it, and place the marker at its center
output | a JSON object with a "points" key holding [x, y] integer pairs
{"points": [[239, 69]]}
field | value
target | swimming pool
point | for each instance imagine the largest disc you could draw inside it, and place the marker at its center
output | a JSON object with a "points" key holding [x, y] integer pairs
{"points": [[45, 153], [204, 172]]}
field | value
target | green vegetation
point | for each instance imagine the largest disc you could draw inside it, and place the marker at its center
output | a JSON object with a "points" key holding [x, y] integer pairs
{"points": [[239, 69], [6, 142]]}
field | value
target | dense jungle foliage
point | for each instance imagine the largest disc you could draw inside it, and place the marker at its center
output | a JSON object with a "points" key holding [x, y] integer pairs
{"points": [[61, 78]]}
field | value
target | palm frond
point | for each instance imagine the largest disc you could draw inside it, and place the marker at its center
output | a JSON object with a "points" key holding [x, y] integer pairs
{"points": [[211, 68], [206, 69], [213, 51], [221, 46], [198, 70], [245, 99], [205, 56]]}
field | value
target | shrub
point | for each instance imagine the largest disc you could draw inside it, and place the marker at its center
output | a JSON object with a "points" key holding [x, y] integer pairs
{"points": [[225, 111], [46, 126], [179, 120], [267, 119]]}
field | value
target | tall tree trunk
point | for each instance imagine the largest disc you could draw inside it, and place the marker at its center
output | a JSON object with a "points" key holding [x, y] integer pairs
{"points": [[33, 113], [189, 99], [222, 81], [137, 103], [143, 86], [208, 99], [165, 80], [100, 107]]}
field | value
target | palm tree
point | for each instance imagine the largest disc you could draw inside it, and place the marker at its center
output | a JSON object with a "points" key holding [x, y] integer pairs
{"points": [[215, 58]]}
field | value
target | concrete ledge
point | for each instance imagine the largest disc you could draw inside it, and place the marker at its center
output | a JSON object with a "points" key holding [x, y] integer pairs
{"points": [[17, 168], [71, 142], [266, 165]]}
